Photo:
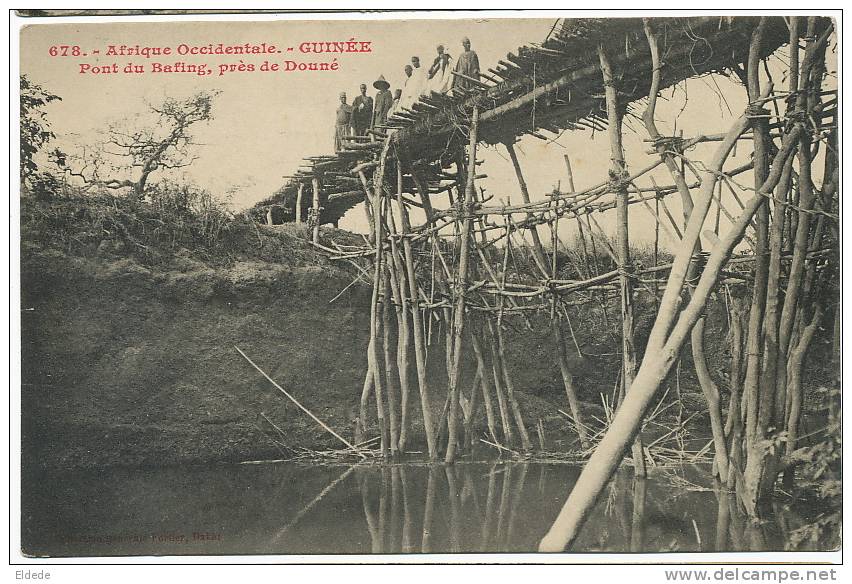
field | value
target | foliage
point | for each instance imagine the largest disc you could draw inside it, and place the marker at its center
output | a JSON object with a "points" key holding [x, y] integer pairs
{"points": [[822, 469], [177, 220], [35, 133]]}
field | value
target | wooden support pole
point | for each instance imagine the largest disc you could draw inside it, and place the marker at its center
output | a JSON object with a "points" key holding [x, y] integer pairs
{"points": [[754, 342], [497, 375], [470, 408], [460, 287], [390, 363], [618, 173], [298, 211], [419, 340], [483, 369], [526, 444], [368, 206], [538, 248], [316, 209], [568, 382], [366, 391], [380, 373], [375, 355], [398, 281]]}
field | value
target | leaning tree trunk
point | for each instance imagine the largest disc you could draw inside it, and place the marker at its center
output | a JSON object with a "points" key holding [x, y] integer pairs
{"points": [[668, 334], [663, 148]]}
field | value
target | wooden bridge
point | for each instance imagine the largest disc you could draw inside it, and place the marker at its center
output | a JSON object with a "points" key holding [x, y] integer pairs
{"points": [[544, 88], [587, 74]]}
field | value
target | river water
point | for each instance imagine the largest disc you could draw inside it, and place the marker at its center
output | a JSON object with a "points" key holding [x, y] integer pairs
{"points": [[287, 508]]}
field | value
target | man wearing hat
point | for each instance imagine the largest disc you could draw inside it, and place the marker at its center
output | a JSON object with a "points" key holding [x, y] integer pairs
{"points": [[384, 99], [342, 122], [362, 112], [468, 65]]}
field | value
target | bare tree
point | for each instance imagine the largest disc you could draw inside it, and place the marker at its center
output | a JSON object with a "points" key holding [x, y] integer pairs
{"points": [[165, 144]]}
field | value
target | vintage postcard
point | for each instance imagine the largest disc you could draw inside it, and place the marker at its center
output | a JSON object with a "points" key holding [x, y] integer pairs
{"points": [[546, 286]]}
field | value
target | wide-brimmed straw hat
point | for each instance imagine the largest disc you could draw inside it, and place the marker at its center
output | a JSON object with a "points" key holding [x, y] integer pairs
{"points": [[380, 83]]}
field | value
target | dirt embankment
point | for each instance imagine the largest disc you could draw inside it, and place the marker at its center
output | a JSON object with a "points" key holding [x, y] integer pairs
{"points": [[133, 365], [128, 343], [125, 364]]}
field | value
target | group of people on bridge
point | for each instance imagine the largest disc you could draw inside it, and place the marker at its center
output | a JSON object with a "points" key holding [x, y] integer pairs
{"points": [[366, 113]]}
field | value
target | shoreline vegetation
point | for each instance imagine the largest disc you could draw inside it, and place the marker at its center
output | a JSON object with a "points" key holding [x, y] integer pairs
{"points": [[130, 309], [159, 327]]}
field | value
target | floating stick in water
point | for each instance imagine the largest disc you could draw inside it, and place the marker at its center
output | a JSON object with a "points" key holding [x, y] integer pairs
{"points": [[303, 408]]}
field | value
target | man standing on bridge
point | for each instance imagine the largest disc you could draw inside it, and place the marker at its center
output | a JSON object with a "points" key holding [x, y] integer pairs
{"points": [[384, 101], [440, 73], [362, 112], [397, 95], [467, 65], [342, 123]]}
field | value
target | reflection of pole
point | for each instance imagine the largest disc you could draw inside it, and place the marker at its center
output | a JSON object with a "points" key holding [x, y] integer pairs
{"points": [[736, 528], [516, 501], [426, 546], [314, 502], [455, 511], [407, 544], [489, 508], [503, 511], [383, 499], [375, 539], [394, 537], [637, 526], [723, 518]]}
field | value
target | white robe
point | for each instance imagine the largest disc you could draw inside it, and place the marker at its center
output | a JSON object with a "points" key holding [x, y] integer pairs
{"points": [[415, 86], [442, 81]]}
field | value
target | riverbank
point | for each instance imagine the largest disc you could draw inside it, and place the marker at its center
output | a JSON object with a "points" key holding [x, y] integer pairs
{"points": [[128, 344], [130, 319]]}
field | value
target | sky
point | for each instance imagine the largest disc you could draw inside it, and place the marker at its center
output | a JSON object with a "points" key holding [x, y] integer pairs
{"points": [[266, 122]]}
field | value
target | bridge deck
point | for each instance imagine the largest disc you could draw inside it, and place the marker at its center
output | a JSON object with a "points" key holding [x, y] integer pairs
{"points": [[545, 87]]}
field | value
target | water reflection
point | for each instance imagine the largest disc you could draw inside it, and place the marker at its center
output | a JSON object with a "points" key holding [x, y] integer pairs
{"points": [[637, 525], [382, 509]]}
